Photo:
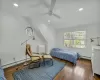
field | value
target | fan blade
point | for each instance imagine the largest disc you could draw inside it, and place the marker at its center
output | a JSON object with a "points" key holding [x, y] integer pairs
{"points": [[45, 3], [56, 15], [53, 2]]}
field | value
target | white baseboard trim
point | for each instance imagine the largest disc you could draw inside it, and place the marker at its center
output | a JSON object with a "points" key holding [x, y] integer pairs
{"points": [[23, 60], [14, 63], [85, 57]]}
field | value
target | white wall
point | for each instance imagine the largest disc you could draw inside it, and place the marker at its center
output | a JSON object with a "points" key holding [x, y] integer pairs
{"points": [[92, 31], [0, 23], [49, 34], [12, 34]]}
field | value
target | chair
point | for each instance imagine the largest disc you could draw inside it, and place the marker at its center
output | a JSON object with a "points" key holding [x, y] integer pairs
{"points": [[47, 57], [35, 60]]}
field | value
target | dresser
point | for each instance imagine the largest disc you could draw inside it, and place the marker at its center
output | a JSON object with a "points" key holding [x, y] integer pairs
{"points": [[96, 60]]}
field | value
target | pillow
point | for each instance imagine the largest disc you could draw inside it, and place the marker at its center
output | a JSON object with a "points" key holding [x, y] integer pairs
{"points": [[56, 49]]}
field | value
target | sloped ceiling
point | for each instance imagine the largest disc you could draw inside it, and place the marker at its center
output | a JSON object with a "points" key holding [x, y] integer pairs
{"points": [[67, 9]]}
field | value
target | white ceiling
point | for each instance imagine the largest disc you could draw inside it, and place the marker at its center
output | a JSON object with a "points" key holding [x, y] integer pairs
{"points": [[67, 9]]}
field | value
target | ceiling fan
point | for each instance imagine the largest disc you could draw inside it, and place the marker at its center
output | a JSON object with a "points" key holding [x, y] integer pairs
{"points": [[50, 12], [50, 7]]}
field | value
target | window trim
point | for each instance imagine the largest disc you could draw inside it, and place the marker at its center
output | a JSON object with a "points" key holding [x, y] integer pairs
{"points": [[85, 40]]}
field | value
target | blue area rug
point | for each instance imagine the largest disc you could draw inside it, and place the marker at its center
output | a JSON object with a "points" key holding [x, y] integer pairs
{"points": [[43, 73]]}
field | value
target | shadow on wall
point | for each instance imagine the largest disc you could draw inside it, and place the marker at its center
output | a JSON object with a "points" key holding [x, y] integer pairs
{"points": [[49, 35], [12, 34]]}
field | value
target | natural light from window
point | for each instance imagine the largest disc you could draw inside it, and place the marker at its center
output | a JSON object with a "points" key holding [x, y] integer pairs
{"points": [[75, 39]]}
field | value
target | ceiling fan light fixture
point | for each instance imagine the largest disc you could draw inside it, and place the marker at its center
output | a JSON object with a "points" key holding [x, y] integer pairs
{"points": [[49, 21], [15, 4], [80, 9]]}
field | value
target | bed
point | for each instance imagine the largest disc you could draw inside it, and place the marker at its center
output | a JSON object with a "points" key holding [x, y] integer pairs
{"points": [[65, 54], [2, 77]]}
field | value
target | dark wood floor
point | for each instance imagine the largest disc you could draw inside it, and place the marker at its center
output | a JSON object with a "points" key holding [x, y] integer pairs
{"points": [[82, 71]]}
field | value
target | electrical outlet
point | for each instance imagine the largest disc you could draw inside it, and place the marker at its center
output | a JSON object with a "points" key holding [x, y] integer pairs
{"points": [[15, 63], [14, 59]]}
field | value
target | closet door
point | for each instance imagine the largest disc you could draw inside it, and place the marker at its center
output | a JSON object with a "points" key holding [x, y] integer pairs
{"points": [[96, 61]]}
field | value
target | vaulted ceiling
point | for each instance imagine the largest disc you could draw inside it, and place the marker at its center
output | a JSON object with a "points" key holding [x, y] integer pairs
{"points": [[67, 9]]}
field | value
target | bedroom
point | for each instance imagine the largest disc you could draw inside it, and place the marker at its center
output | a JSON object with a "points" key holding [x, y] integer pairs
{"points": [[31, 22]]}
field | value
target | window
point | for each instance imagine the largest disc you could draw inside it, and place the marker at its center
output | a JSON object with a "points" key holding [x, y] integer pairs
{"points": [[75, 39]]}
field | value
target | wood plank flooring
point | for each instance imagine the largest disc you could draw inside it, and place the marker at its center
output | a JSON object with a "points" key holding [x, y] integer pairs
{"points": [[82, 71]]}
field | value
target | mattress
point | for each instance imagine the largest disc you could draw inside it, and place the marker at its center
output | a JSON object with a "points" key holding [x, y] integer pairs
{"points": [[65, 54]]}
